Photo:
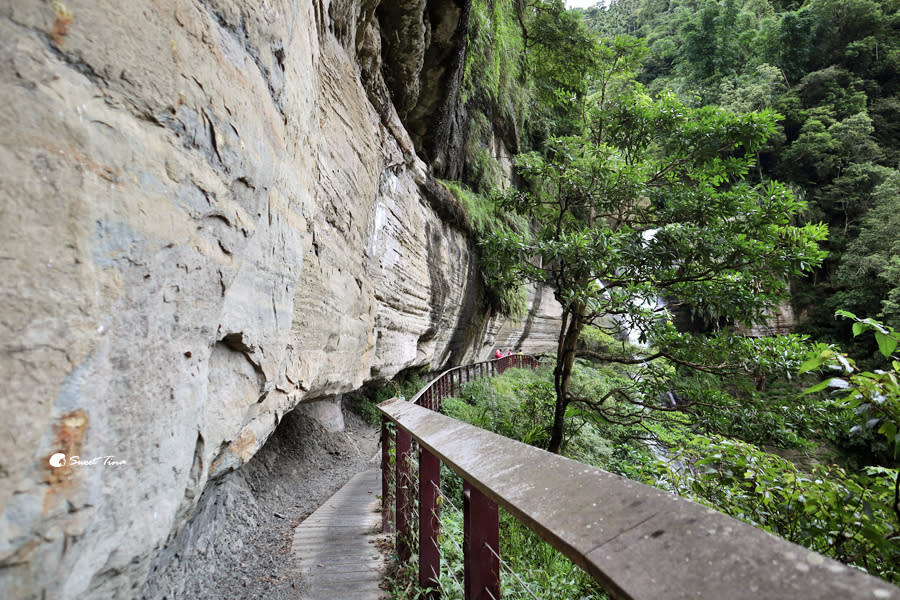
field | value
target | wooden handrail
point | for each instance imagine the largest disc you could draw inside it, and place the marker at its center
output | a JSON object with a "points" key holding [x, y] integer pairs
{"points": [[430, 396], [638, 542], [481, 522]]}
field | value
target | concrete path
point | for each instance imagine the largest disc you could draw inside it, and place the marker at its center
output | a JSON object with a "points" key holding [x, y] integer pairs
{"points": [[339, 559]]}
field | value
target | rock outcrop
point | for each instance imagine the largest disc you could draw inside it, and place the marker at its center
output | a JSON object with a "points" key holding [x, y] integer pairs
{"points": [[212, 212], [782, 320]]}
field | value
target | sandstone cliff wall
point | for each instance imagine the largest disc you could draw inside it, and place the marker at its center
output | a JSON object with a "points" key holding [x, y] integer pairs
{"points": [[211, 213]]}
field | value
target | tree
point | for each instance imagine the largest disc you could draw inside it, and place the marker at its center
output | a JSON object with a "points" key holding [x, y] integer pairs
{"points": [[560, 54], [869, 272], [711, 41], [650, 200]]}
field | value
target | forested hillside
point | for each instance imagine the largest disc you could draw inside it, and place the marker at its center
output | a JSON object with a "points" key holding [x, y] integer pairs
{"points": [[831, 68]]}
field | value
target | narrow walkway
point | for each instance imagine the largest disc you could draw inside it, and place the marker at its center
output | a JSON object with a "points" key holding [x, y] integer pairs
{"points": [[336, 544]]}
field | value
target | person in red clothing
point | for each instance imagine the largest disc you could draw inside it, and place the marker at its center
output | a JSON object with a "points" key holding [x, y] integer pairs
{"points": [[498, 353]]}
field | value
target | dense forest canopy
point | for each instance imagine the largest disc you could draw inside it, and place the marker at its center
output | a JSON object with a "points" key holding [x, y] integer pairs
{"points": [[832, 69]]}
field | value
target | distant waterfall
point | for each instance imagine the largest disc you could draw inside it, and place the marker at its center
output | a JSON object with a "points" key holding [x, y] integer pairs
{"points": [[631, 332]]}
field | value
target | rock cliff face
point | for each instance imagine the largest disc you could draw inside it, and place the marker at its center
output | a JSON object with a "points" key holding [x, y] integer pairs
{"points": [[212, 212]]}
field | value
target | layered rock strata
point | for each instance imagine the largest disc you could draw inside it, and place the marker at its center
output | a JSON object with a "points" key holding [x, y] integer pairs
{"points": [[212, 212]]}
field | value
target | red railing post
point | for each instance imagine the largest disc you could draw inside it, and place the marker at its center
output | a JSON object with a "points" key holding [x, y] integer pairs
{"points": [[481, 534], [403, 485], [387, 523], [429, 523]]}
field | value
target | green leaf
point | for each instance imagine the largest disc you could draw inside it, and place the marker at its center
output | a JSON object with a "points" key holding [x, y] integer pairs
{"points": [[886, 343], [811, 364], [858, 328], [844, 363], [816, 388], [867, 509]]}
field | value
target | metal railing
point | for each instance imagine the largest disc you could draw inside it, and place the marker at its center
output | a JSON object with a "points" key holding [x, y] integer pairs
{"points": [[638, 542], [449, 382]]}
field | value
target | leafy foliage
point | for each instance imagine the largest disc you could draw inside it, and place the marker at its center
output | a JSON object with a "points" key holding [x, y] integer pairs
{"points": [[874, 396], [648, 188], [484, 218], [516, 405], [842, 515], [495, 89], [872, 259], [650, 199]]}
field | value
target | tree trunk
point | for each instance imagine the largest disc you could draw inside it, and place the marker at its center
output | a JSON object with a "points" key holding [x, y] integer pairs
{"points": [[565, 359]]}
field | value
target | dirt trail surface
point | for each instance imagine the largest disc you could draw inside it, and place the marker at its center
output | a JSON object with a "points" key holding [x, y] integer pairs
{"points": [[237, 545]]}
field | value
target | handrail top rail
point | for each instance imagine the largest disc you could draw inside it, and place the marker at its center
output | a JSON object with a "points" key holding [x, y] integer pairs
{"points": [[428, 385], [637, 541]]}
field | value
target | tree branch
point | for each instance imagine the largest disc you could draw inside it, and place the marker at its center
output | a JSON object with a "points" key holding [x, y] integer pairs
{"points": [[897, 496], [618, 359], [714, 369]]}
